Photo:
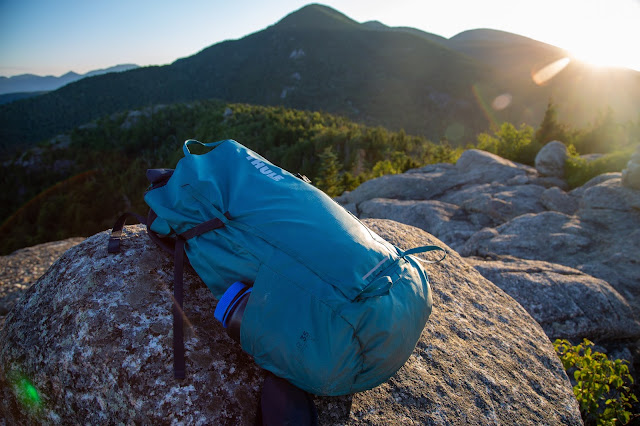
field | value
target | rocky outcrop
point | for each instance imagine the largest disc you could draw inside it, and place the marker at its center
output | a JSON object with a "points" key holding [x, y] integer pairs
{"points": [[473, 168], [134, 116], [551, 158], [631, 175], [549, 236], [20, 269], [480, 190], [555, 199], [440, 217], [567, 303], [485, 206], [602, 239], [90, 343]]}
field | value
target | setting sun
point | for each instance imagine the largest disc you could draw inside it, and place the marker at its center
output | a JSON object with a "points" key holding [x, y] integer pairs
{"points": [[604, 54], [604, 35]]}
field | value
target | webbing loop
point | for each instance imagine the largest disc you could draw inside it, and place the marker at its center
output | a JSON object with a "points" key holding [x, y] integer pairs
{"points": [[116, 232], [423, 249]]}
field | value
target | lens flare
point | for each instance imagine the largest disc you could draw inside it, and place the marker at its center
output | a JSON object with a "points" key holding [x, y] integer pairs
{"points": [[486, 109], [502, 101], [25, 391], [28, 393], [548, 72]]}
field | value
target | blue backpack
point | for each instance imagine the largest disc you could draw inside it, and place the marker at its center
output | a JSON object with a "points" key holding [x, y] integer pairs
{"points": [[334, 309]]}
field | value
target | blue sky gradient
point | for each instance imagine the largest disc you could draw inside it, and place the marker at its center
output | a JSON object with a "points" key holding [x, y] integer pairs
{"points": [[46, 37]]}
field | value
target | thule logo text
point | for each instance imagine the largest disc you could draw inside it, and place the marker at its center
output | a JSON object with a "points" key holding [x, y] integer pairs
{"points": [[264, 169]]}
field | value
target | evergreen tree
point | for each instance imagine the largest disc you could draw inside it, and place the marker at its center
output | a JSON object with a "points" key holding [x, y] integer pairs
{"points": [[551, 129], [329, 173]]}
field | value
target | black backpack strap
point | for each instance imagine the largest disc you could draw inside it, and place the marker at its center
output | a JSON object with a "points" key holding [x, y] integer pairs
{"points": [[178, 284], [175, 247], [178, 253], [177, 250], [116, 232], [282, 403], [167, 243], [178, 322]]}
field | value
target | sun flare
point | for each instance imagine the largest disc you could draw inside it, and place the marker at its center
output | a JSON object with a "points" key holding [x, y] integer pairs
{"points": [[605, 57], [605, 35], [548, 72]]}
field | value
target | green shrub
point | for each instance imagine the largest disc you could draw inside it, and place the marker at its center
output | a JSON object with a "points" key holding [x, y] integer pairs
{"points": [[511, 143], [579, 171], [602, 386]]}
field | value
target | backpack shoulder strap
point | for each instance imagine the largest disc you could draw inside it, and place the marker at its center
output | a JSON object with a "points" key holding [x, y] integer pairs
{"points": [[178, 322], [178, 277], [178, 270]]}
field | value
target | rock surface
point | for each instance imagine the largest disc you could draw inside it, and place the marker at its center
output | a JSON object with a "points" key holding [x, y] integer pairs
{"points": [[435, 217], [602, 240], [90, 343], [20, 269], [567, 303], [631, 175], [550, 159], [474, 167], [555, 199]]}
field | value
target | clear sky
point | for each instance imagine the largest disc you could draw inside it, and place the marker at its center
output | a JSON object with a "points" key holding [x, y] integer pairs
{"points": [[51, 37]]}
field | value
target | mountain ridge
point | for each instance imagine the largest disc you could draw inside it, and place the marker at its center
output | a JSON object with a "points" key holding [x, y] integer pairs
{"points": [[315, 16], [24, 83], [317, 58]]}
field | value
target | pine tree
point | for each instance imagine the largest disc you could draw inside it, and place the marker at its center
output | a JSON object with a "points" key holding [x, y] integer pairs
{"points": [[551, 129], [329, 174]]}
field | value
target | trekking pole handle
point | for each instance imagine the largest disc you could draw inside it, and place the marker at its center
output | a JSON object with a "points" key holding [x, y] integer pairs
{"points": [[185, 147]]}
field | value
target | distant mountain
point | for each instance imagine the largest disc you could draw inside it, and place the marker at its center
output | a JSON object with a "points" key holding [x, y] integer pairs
{"points": [[503, 50], [580, 90], [319, 59], [377, 25], [116, 68], [10, 97], [313, 59], [34, 83]]}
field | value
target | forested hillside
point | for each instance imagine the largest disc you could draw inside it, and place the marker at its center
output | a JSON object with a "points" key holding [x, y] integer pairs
{"points": [[77, 183]]}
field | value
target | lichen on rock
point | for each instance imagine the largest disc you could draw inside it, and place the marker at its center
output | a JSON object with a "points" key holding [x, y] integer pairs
{"points": [[91, 340]]}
